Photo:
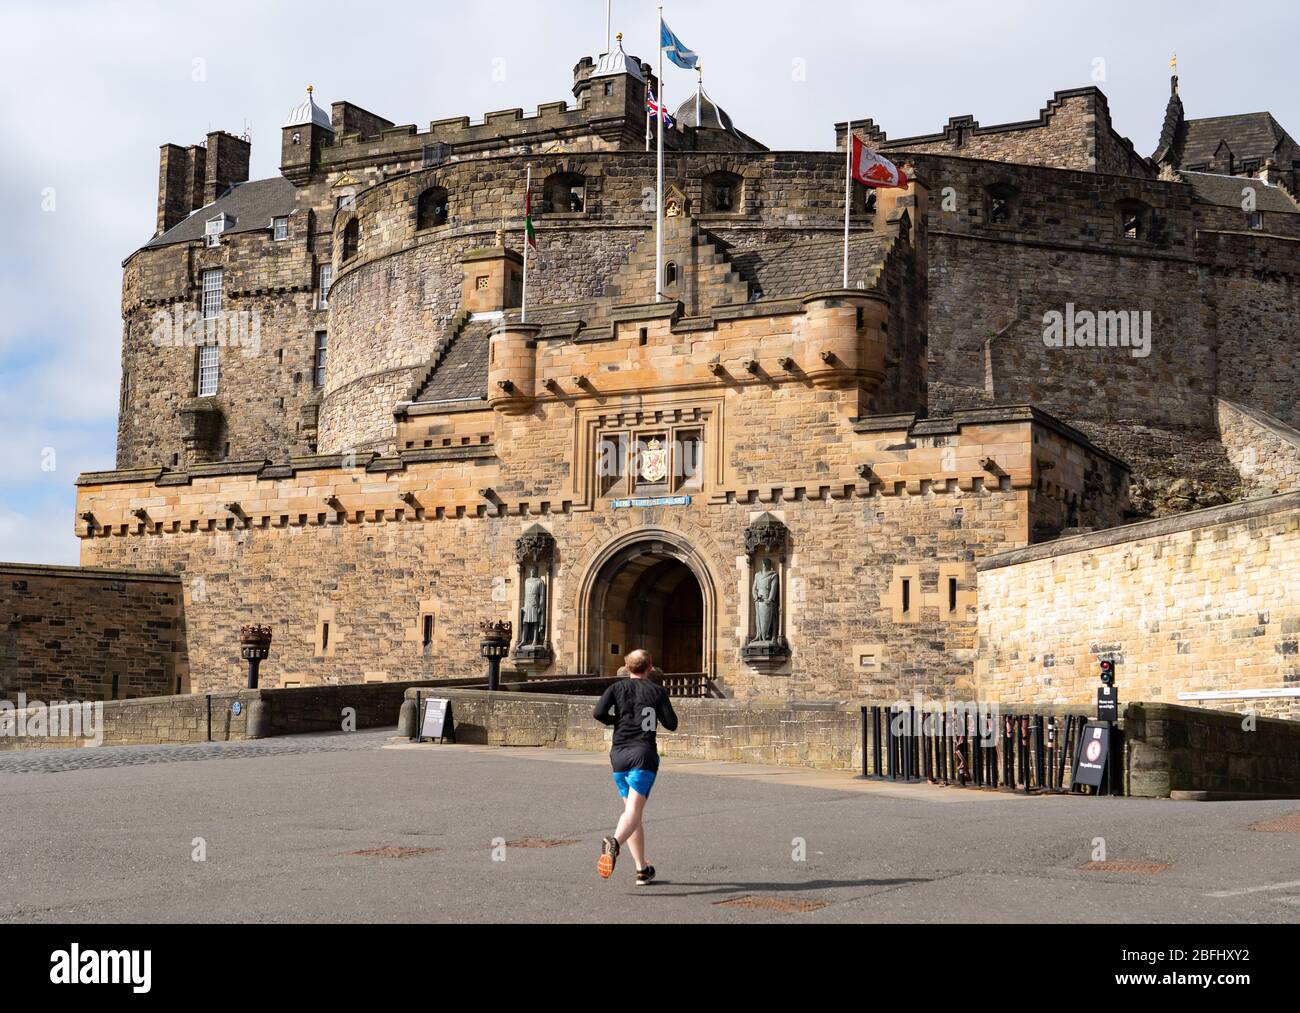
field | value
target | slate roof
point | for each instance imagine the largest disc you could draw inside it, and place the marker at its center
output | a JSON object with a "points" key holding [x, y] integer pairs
{"points": [[463, 372], [796, 269], [252, 205], [1250, 136], [712, 115], [1225, 191], [784, 271]]}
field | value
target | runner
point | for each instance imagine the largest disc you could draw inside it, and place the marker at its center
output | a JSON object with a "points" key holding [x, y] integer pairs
{"points": [[635, 708]]}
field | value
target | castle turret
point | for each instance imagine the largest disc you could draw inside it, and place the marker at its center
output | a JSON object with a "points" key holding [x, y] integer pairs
{"points": [[306, 129]]}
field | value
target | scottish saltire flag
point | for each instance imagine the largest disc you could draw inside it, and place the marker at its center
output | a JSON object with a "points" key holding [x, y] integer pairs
{"points": [[675, 49], [652, 107]]}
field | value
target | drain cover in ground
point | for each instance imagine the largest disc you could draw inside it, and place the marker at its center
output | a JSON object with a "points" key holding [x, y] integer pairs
{"points": [[1286, 825], [781, 905], [1127, 868], [538, 842], [390, 853]]}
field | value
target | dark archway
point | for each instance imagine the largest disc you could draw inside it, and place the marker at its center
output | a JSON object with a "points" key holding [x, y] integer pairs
{"points": [[649, 596]]}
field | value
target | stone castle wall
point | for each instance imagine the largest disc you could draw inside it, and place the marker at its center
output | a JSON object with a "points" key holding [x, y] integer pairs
{"points": [[1201, 603], [339, 545], [74, 635]]}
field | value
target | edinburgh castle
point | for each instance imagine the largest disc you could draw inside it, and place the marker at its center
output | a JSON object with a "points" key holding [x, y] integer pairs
{"points": [[1048, 420]]}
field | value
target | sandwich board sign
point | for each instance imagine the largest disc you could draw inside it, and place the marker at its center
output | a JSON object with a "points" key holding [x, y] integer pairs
{"points": [[1092, 761], [437, 721]]}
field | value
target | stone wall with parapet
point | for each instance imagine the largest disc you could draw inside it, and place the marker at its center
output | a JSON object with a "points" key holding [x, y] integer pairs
{"points": [[1199, 603], [1073, 131], [375, 548], [1264, 451], [90, 634]]}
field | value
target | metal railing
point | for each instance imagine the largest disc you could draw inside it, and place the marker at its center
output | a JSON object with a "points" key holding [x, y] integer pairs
{"points": [[985, 749]]}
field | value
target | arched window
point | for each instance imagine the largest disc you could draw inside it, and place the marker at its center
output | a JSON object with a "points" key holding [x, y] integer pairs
{"points": [[670, 275], [433, 209], [1001, 204], [565, 193], [724, 193], [351, 239]]}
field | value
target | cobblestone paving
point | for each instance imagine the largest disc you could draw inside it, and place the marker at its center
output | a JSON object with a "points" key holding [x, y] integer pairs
{"points": [[54, 761]]}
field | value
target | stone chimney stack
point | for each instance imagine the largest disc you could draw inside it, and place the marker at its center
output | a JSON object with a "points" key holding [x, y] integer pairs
{"points": [[227, 164], [181, 175]]}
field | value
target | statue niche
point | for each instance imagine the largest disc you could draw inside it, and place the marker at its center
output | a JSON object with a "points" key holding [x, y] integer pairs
{"points": [[535, 554], [766, 541]]}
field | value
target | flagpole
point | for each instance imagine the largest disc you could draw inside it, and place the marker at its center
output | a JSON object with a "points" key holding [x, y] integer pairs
{"points": [[848, 194], [659, 190], [699, 94], [528, 189], [609, 21]]}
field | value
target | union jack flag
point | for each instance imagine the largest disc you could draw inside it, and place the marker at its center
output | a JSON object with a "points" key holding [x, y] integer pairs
{"points": [[652, 106]]}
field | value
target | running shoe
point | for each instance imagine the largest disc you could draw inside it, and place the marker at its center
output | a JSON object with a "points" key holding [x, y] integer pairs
{"points": [[609, 849]]}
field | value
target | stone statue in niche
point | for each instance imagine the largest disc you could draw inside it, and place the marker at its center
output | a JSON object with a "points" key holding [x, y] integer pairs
{"points": [[766, 544], [535, 553], [533, 632], [767, 605]]}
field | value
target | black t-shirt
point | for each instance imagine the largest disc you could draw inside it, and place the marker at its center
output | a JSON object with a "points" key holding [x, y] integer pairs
{"points": [[635, 709]]}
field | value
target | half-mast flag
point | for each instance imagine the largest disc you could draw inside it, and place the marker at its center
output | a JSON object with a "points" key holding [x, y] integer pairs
{"points": [[871, 169], [675, 49], [652, 106]]}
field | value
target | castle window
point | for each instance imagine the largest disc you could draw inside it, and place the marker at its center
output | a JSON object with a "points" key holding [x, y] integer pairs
{"points": [[723, 193], [864, 199], [209, 370], [326, 279], [670, 275], [351, 239], [1255, 220], [565, 193], [609, 88], [1002, 204], [279, 229], [433, 209], [1134, 220], [318, 364], [212, 281], [213, 230]]}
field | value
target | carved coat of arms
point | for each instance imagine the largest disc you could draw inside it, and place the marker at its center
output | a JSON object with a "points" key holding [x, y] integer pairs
{"points": [[654, 463]]}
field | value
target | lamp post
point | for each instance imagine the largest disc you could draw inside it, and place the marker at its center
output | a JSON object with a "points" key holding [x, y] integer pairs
{"points": [[494, 646], [255, 648]]}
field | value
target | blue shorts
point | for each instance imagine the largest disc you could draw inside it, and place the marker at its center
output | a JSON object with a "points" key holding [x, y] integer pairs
{"points": [[640, 781]]}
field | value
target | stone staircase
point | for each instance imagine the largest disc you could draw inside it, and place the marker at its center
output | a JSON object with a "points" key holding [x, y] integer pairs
{"points": [[705, 275], [454, 329]]}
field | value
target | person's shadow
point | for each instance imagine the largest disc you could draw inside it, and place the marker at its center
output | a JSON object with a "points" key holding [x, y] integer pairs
{"points": [[710, 889]]}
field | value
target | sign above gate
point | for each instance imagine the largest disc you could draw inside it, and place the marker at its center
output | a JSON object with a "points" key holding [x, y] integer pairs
{"points": [[645, 504]]}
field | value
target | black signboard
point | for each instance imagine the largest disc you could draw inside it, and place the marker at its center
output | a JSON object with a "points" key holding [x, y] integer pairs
{"points": [[1093, 757], [437, 722], [1108, 704]]}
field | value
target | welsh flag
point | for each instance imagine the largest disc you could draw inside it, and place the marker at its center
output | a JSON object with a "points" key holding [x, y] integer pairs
{"points": [[870, 169], [530, 230]]}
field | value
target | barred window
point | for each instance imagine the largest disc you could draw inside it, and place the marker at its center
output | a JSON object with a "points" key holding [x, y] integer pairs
{"points": [[326, 280], [318, 368], [279, 229], [212, 294], [209, 370]]}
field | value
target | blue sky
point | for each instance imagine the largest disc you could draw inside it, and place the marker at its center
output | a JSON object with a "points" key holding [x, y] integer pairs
{"points": [[88, 92]]}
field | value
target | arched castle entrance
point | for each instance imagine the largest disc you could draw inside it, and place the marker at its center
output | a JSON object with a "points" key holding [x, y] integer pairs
{"points": [[651, 591]]}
